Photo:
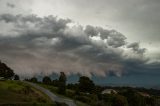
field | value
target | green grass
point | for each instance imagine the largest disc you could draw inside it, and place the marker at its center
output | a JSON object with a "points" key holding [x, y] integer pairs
{"points": [[16, 92]]}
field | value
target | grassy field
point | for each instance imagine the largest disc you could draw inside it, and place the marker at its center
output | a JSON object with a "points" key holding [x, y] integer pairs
{"points": [[16, 92]]}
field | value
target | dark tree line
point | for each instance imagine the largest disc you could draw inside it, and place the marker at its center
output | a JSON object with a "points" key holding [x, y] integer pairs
{"points": [[86, 91], [60, 83], [5, 71]]}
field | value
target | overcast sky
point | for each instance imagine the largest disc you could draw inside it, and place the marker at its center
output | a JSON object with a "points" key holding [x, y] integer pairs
{"points": [[101, 37]]}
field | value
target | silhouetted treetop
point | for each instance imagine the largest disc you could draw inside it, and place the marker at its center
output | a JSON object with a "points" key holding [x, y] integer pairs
{"points": [[46, 80], [6, 71], [86, 84]]}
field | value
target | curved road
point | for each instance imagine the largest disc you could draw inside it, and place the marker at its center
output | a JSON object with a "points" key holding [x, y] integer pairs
{"points": [[52, 95]]}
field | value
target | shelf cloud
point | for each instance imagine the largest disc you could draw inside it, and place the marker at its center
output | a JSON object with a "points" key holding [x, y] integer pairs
{"points": [[45, 45]]}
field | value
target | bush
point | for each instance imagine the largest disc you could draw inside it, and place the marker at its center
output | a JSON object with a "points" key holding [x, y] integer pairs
{"points": [[119, 100], [115, 100], [46, 80], [70, 93], [61, 104], [16, 77], [84, 99], [34, 79], [26, 90], [99, 103]]}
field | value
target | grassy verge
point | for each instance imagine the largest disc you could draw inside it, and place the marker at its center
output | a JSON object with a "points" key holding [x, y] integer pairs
{"points": [[16, 92]]}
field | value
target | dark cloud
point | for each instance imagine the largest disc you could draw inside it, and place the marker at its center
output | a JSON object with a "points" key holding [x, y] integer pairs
{"points": [[113, 37], [8, 18], [10, 5], [35, 45], [135, 47]]}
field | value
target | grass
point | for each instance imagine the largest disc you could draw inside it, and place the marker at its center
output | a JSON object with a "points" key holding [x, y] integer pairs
{"points": [[16, 92]]}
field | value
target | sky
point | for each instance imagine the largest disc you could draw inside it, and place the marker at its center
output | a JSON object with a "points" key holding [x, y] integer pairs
{"points": [[115, 40]]}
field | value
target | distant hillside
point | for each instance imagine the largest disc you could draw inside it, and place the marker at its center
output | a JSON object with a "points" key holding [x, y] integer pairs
{"points": [[16, 92], [153, 92]]}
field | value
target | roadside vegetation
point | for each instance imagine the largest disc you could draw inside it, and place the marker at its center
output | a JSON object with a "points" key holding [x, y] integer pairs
{"points": [[86, 93], [16, 92]]}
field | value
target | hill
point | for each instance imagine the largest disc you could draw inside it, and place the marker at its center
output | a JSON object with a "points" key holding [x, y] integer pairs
{"points": [[20, 93]]}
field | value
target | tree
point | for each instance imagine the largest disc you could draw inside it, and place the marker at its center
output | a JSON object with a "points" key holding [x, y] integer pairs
{"points": [[133, 98], [86, 85], [119, 101], [34, 79], [72, 86], [16, 77], [62, 83], [115, 100], [55, 82], [6, 71], [46, 80]]}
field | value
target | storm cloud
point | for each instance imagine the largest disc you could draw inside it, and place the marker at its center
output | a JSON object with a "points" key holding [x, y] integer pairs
{"points": [[10, 5], [44, 45]]}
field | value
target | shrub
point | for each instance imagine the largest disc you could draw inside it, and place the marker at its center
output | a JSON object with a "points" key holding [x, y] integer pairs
{"points": [[61, 104], [84, 99], [70, 93]]}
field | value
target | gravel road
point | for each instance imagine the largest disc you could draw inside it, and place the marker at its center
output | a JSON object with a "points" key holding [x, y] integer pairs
{"points": [[52, 95]]}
